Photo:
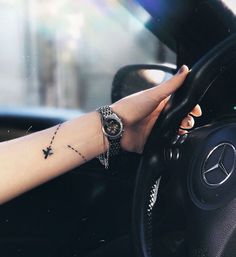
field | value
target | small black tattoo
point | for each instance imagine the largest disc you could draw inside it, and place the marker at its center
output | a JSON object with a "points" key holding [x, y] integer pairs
{"points": [[55, 134], [48, 151], [80, 154]]}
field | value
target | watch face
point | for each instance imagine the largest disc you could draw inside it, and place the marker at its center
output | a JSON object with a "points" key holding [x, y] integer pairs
{"points": [[112, 127]]}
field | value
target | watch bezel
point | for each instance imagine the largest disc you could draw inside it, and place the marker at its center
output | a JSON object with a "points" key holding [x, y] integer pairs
{"points": [[116, 118]]}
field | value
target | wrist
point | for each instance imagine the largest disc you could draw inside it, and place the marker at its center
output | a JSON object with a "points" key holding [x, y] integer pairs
{"points": [[103, 141], [90, 137]]}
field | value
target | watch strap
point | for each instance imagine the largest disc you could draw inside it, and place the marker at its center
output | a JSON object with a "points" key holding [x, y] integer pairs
{"points": [[105, 111], [114, 146]]}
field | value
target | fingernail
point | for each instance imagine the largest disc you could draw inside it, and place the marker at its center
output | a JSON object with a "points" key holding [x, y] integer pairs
{"points": [[181, 70]]}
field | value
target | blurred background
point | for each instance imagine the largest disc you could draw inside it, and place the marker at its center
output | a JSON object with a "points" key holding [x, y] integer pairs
{"points": [[64, 53]]}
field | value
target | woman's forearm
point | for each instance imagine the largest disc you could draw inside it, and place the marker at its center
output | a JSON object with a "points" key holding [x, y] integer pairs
{"points": [[34, 159]]}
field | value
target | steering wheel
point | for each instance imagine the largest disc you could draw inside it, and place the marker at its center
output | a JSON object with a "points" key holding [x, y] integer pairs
{"points": [[202, 162]]}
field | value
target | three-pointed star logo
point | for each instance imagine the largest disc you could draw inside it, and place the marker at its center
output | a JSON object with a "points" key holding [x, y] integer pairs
{"points": [[219, 165], [47, 152]]}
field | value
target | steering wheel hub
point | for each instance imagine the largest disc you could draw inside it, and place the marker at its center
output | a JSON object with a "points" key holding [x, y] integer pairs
{"points": [[212, 176]]}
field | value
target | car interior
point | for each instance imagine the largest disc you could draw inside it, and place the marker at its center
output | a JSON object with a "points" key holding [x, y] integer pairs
{"points": [[177, 199]]}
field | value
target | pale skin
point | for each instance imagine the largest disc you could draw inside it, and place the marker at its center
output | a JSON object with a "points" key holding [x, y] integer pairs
{"points": [[32, 160]]}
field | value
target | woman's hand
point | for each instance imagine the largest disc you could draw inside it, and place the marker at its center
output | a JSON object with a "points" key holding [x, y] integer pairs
{"points": [[140, 111]]}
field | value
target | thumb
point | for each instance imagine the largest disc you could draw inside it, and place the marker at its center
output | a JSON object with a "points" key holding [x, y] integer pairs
{"points": [[170, 86]]}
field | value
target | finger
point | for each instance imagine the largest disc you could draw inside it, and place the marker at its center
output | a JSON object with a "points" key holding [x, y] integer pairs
{"points": [[187, 122], [197, 111], [182, 131], [170, 86]]}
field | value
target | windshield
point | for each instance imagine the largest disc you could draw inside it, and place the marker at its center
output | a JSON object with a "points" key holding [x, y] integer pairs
{"points": [[64, 53]]}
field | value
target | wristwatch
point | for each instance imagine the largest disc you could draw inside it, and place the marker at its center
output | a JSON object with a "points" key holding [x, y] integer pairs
{"points": [[112, 128]]}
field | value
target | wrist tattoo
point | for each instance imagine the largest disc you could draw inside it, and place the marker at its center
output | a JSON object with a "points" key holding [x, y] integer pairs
{"points": [[48, 151], [80, 154]]}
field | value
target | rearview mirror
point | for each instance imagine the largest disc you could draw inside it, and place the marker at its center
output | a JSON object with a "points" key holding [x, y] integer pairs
{"points": [[134, 78]]}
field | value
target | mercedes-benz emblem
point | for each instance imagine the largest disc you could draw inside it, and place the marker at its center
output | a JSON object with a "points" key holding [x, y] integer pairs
{"points": [[219, 164]]}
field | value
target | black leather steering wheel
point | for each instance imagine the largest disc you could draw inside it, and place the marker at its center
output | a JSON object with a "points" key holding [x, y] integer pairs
{"points": [[203, 162]]}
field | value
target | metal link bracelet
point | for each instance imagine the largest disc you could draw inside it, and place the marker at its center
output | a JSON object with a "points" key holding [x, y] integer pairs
{"points": [[112, 128]]}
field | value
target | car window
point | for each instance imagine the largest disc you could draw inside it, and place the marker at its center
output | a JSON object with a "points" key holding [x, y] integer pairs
{"points": [[64, 53]]}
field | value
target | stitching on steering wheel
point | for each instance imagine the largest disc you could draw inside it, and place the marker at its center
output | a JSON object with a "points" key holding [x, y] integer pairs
{"points": [[151, 202]]}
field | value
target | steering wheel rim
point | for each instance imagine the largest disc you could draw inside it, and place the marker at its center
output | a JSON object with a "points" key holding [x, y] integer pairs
{"points": [[153, 162]]}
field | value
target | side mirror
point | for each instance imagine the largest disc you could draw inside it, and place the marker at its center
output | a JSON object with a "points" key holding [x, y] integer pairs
{"points": [[134, 78]]}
